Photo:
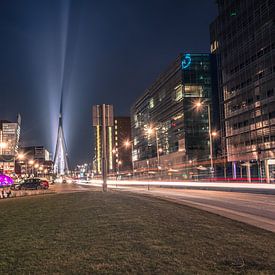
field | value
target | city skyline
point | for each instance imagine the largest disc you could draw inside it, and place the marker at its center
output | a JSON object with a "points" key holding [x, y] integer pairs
{"points": [[160, 120], [103, 40]]}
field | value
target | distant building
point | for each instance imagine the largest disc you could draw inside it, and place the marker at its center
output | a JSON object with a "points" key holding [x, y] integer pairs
{"points": [[122, 148], [169, 133], [243, 39], [9, 142], [39, 155]]}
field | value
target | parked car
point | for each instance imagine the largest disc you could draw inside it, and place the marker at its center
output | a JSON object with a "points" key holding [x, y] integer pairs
{"points": [[44, 184], [32, 183]]}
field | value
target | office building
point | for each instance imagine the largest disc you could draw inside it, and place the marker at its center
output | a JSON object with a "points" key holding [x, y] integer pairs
{"points": [[243, 40], [9, 142], [37, 153], [169, 131], [35, 158], [98, 139], [122, 148]]}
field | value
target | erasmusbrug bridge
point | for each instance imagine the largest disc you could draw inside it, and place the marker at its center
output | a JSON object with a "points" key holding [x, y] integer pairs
{"points": [[61, 163]]}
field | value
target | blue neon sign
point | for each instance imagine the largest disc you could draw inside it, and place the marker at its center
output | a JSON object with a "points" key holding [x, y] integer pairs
{"points": [[186, 61]]}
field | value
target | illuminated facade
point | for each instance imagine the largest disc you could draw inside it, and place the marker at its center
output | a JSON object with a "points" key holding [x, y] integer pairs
{"points": [[98, 111], [243, 39], [39, 153], [122, 149], [9, 142], [97, 158], [180, 132]]}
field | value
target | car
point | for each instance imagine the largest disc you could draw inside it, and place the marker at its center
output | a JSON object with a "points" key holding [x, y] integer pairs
{"points": [[16, 186], [45, 184], [31, 183]]}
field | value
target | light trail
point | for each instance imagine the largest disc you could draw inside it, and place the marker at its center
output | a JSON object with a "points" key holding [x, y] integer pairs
{"points": [[203, 185]]}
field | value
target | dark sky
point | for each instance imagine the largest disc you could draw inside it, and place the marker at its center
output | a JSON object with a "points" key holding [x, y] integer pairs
{"points": [[100, 51]]}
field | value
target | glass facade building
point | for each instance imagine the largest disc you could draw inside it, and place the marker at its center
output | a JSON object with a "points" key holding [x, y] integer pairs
{"points": [[9, 142], [243, 40], [168, 130]]}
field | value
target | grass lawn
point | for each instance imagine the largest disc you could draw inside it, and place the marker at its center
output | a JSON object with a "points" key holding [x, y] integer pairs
{"points": [[92, 232]]}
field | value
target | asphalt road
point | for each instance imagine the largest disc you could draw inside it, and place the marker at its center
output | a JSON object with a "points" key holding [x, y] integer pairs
{"points": [[253, 209]]}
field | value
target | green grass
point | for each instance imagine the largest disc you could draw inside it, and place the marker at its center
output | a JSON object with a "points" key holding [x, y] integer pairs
{"points": [[93, 232]]}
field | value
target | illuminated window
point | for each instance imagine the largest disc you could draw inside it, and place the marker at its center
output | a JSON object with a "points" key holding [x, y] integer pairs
{"points": [[178, 93], [162, 94], [151, 103], [178, 116], [214, 46], [193, 91]]}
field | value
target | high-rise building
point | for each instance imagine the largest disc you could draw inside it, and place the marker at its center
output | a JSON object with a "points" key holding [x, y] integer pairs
{"points": [[98, 141], [122, 148], [170, 122], [9, 141], [243, 39], [37, 153]]}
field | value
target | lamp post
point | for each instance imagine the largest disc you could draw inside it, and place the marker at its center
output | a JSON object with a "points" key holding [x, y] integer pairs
{"points": [[199, 105], [40, 168], [3, 145], [20, 157], [150, 131], [31, 163], [127, 144], [45, 172]]}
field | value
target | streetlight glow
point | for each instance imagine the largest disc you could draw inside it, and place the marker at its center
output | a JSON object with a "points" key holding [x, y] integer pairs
{"points": [[150, 131], [127, 143], [21, 156], [214, 134], [198, 104], [3, 145]]}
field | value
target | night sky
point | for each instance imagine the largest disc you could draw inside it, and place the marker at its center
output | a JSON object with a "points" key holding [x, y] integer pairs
{"points": [[104, 51]]}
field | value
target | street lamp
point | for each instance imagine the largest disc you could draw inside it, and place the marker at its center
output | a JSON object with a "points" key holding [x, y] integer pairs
{"points": [[31, 163], [3, 145], [118, 164], [127, 144], [21, 156], [150, 131], [45, 172], [199, 104]]}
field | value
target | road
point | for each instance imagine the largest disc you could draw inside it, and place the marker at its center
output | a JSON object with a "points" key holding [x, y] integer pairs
{"points": [[254, 209]]}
